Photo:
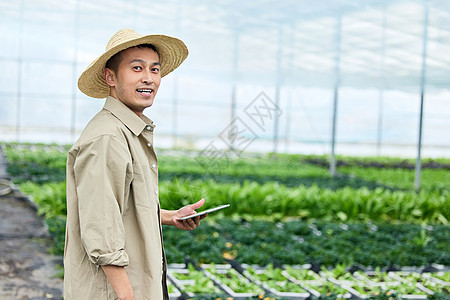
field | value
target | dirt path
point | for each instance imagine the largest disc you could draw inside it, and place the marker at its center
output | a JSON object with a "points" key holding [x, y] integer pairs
{"points": [[27, 270]]}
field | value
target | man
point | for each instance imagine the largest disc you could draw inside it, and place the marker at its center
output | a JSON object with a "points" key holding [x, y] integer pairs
{"points": [[113, 244]]}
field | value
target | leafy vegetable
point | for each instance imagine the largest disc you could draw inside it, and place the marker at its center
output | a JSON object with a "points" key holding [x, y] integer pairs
{"points": [[234, 281]]}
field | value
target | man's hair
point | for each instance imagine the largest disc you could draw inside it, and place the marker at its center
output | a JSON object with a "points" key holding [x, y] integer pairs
{"points": [[115, 60]]}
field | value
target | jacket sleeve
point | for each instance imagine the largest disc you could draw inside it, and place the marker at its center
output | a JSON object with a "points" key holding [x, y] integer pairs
{"points": [[102, 177]]}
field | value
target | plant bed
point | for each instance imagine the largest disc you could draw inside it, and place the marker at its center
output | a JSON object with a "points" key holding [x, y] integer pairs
{"points": [[373, 283], [401, 290], [301, 273], [356, 286], [275, 282], [420, 281], [192, 282], [324, 288], [312, 282], [373, 277], [361, 290], [231, 282], [441, 278], [174, 293]]}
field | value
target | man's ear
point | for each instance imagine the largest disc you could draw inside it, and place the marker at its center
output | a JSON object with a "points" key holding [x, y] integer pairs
{"points": [[110, 77]]}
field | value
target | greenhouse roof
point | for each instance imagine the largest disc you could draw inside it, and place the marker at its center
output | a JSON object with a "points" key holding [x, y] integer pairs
{"points": [[362, 44]]}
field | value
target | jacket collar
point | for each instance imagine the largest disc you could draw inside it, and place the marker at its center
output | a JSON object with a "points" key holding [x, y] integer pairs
{"points": [[132, 121]]}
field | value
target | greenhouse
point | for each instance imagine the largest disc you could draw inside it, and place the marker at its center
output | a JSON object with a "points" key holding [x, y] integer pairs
{"points": [[324, 124]]}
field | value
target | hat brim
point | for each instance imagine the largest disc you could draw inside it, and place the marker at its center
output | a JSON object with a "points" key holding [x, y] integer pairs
{"points": [[172, 52]]}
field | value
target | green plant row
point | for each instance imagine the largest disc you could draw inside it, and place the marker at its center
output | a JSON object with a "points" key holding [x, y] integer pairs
{"points": [[277, 200], [377, 162], [49, 155], [269, 240], [50, 199], [37, 163], [431, 179], [259, 242], [44, 163], [295, 170], [319, 243], [257, 166]]}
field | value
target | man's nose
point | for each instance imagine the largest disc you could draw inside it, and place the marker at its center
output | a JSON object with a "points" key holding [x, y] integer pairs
{"points": [[147, 77]]}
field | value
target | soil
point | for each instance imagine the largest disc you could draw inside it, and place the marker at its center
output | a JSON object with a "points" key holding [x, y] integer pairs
{"points": [[27, 270]]}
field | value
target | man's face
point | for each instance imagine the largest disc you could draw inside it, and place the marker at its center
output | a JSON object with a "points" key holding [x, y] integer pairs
{"points": [[137, 79]]}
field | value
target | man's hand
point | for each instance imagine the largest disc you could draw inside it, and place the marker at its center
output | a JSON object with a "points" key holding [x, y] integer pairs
{"points": [[172, 217]]}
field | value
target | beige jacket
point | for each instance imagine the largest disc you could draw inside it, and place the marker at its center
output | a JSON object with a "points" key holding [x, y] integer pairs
{"points": [[113, 213]]}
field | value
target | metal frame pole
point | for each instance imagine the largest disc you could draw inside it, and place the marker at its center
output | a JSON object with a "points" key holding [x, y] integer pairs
{"points": [[19, 73], [383, 85], [175, 86], [235, 71], [175, 112], [278, 91], [289, 96], [74, 70], [422, 96], [336, 95], [333, 133]]}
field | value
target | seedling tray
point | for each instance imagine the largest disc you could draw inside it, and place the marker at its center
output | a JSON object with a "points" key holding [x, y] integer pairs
{"points": [[174, 293], [219, 272], [438, 278], [365, 289], [274, 285], [422, 284], [191, 282]]}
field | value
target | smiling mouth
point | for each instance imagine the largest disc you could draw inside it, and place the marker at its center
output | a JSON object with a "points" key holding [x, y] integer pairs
{"points": [[145, 91]]}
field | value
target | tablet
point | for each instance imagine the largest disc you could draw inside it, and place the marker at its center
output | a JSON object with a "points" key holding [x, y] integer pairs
{"points": [[204, 212]]}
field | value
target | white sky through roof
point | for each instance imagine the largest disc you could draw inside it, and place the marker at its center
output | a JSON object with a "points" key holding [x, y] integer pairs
{"points": [[296, 51]]}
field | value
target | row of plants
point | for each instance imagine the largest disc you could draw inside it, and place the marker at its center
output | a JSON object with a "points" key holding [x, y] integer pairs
{"points": [[285, 210], [300, 282], [278, 201], [401, 179], [50, 200], [262, 241], [312, 241], [248, 198], [40, 163], [270, 197], [379, 162], [344, 204], [319, 243], [295, 170]]}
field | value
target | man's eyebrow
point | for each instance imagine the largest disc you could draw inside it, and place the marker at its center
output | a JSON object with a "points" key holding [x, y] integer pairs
{"points": [[137, 60]]}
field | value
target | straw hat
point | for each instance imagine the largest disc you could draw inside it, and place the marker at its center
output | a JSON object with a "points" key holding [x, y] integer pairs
{"points": [[172, 52]]}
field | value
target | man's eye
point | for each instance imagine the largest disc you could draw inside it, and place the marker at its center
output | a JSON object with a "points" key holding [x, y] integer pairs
{"points": [[155, 69], [137, 68]]}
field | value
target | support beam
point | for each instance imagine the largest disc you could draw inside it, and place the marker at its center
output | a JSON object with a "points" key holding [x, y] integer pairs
{"points": [[76, 35], [175, 110], [422, 96], [383, 85], [278, 91], [19, 73], [337, 74], [235, 64], [176, 82], [333, 133]]}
